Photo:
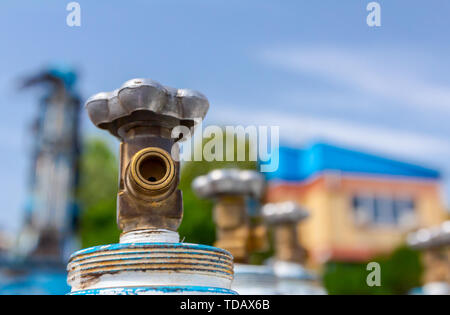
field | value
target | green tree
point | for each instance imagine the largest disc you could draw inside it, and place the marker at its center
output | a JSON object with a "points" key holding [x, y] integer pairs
{"points": [[198, 226], [400, 272], [97, 194]]}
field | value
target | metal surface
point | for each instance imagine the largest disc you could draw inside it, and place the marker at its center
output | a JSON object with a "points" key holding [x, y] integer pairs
{"points": [[284, 218], [254, 280], [142, 114], [150, 265], [437, 236], [51, 209], [233, 190], [294, 279], [35, 264], [229, 182], [151, 236], [149, 258], [146, 100], [434, 242], [284, 212]]}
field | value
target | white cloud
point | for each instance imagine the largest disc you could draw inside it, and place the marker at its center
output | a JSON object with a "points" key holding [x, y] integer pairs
{"points": [[368, 72]]}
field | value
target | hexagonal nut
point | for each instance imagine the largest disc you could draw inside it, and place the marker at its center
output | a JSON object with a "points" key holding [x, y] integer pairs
{"points": [[161, 105], [229, 182], [283, 212]]}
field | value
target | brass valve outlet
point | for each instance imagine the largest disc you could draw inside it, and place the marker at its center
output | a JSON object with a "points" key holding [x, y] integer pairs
{"points": [[148, 197], [143, 114], [151, 173]]}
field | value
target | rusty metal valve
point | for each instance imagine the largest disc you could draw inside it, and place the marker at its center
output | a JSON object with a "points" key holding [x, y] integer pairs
{"points": [[284, 217], [150, 259], [231, 189], [142, 114]]}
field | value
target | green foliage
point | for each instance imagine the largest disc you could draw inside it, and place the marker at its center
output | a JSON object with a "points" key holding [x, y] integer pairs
{"points": [[403, 270], [400, 272], [98, 225], [97, 194], [198, 226]]}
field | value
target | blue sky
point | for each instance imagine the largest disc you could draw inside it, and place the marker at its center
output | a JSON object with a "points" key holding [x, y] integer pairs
{"points": [[312, 67]]}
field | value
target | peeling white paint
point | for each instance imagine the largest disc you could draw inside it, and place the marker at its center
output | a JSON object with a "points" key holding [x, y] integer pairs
{"points": [[150, 236]]}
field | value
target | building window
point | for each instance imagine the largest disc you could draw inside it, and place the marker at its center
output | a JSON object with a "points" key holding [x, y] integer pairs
{"points": [[404, 212], [383, 210]]}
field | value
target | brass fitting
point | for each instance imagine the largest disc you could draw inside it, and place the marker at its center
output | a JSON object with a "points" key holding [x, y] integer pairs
{"points": [[232, 189], [284, 218], [233, 228], [286, 244], [142, 114], [151, 173], [148, 197]]}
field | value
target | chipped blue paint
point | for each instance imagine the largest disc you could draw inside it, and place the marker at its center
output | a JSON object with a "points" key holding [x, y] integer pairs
{"points": [[156, 290], [216, 258], [87, 266]]}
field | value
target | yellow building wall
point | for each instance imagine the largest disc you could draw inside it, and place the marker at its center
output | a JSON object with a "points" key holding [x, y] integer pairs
{"points": [[331, 231], [317, 231]]}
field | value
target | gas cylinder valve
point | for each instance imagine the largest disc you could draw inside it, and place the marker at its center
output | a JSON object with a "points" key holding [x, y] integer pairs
{"points": [[142, 114], [150, 259]]}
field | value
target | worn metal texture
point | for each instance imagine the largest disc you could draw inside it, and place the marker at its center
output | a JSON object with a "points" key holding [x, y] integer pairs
{"points": [[149, 259], [147, 99], [142, 114], [148, 196], [150, 264]]}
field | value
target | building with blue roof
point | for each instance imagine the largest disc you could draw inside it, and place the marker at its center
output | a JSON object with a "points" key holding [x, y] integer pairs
{"points": [[301, 164], [361, 204]]}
